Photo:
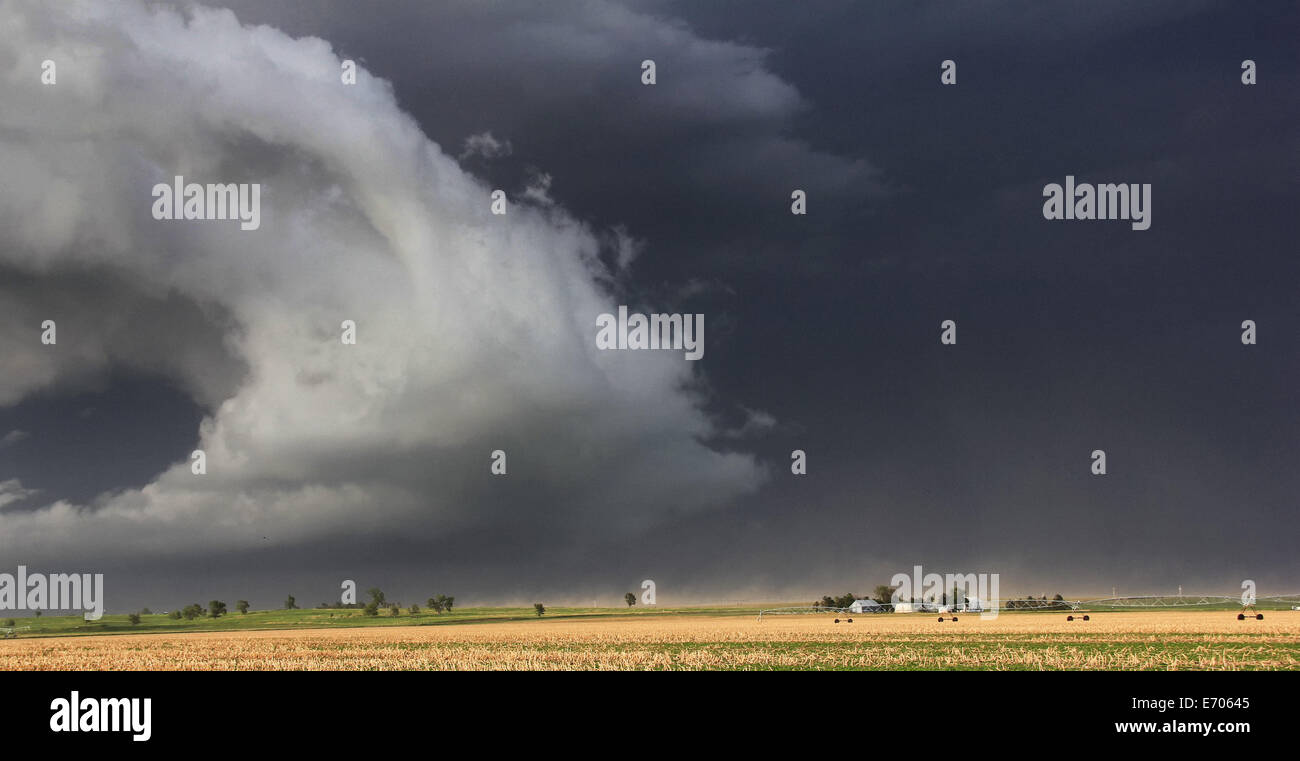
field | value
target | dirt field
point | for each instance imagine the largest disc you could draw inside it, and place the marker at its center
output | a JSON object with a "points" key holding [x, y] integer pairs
{"points": [[1128, 641]]}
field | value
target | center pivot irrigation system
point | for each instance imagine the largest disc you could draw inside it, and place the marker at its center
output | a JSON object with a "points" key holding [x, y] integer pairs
{"points": [[1084, 607]]}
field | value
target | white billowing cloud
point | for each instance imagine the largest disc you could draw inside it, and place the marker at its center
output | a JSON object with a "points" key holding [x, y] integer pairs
{"points": [[486, 145], [12, 490], [538, 189], [472, 329]]}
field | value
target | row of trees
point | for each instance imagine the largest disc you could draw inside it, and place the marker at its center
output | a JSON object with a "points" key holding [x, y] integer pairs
{"points": [[217, 608], [843, 601], [1057, 603], [437, 604]]}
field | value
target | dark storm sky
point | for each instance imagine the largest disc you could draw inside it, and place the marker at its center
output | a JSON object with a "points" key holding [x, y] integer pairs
{"points": [[924, 205]]}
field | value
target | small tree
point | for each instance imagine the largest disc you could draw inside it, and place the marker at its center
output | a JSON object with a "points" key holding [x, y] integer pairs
{"points": [[216, 608], [884, 594], [630, 599], [377, 595], [435, 604], [134, 618], [415, 609], [393, 610], [290, 603], [539, 609], [371, 609], [447, 602], [192, 611], [176, 614], [242, 606]]}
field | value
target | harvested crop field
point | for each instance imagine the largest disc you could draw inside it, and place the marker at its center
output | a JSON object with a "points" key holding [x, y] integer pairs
{"points": [[1127, 641]]}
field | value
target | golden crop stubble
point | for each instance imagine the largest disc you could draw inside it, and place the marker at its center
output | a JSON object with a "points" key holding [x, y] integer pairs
{"points": [[1152, 640]]}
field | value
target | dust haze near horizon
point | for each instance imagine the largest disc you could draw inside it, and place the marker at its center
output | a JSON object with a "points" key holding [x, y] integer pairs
{"points": [[476, 333]]}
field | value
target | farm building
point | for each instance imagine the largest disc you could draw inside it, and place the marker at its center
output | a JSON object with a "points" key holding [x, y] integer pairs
{"points": [[971, 605], [865, 606]]}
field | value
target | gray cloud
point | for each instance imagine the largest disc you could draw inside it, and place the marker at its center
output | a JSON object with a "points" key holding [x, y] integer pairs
{"points": [[13, 437], [474, 332], [562, 80]]}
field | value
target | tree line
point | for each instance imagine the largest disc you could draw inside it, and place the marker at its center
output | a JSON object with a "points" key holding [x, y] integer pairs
{"points": [[216, 608]]}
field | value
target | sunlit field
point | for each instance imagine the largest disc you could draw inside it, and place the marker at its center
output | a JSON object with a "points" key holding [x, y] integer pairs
{"points": [[1159, 640]]}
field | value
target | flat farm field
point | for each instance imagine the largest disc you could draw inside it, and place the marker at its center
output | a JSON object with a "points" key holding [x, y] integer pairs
{"points": [[1158, 640]]}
